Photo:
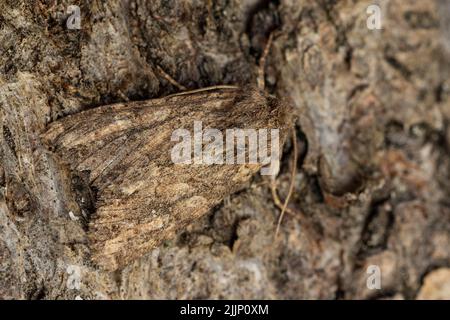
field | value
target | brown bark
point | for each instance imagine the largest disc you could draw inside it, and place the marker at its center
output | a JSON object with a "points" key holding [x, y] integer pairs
{"points": [[373, 114]]}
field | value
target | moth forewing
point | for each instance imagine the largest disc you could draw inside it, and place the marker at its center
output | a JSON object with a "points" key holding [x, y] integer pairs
{"points": [[144, 196]]}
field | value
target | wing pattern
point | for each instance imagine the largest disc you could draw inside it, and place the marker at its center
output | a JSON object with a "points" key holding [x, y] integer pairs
{"points": [[143, 197]]}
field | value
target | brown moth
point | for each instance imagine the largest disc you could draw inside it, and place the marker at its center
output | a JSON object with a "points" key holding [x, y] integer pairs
{"points": [[143, 197]]}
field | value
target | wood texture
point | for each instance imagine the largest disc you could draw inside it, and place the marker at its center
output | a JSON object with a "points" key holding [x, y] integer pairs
{"points": [[373, 129]]}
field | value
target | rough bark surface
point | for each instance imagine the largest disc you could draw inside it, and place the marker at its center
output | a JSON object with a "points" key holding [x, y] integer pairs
{"points": [[373, 178]]}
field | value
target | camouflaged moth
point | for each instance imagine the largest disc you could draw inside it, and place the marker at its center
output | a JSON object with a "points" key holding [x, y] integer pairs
{"points": [[143, 197]]}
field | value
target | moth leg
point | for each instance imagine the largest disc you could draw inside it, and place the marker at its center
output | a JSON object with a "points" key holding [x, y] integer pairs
{"points": [[308, 227], [277, 201], [170, 79]]}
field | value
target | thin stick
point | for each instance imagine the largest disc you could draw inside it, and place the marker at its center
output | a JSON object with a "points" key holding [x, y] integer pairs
{"points": [[170, 79], [292, 185]]}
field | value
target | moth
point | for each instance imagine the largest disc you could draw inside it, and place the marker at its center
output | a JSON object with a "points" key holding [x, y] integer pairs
{"points": [[143, 197]]}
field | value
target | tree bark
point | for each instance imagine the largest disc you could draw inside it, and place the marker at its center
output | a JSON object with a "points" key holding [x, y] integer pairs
{"points": [[372, 114]]}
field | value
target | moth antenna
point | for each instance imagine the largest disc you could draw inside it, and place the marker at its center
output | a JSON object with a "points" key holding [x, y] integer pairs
{"points": [[262, 62], [170, 79], [291, 186], [218, 87]]}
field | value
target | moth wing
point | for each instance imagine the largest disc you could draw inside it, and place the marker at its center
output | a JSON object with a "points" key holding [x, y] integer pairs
{"points": [[143, 197]]}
